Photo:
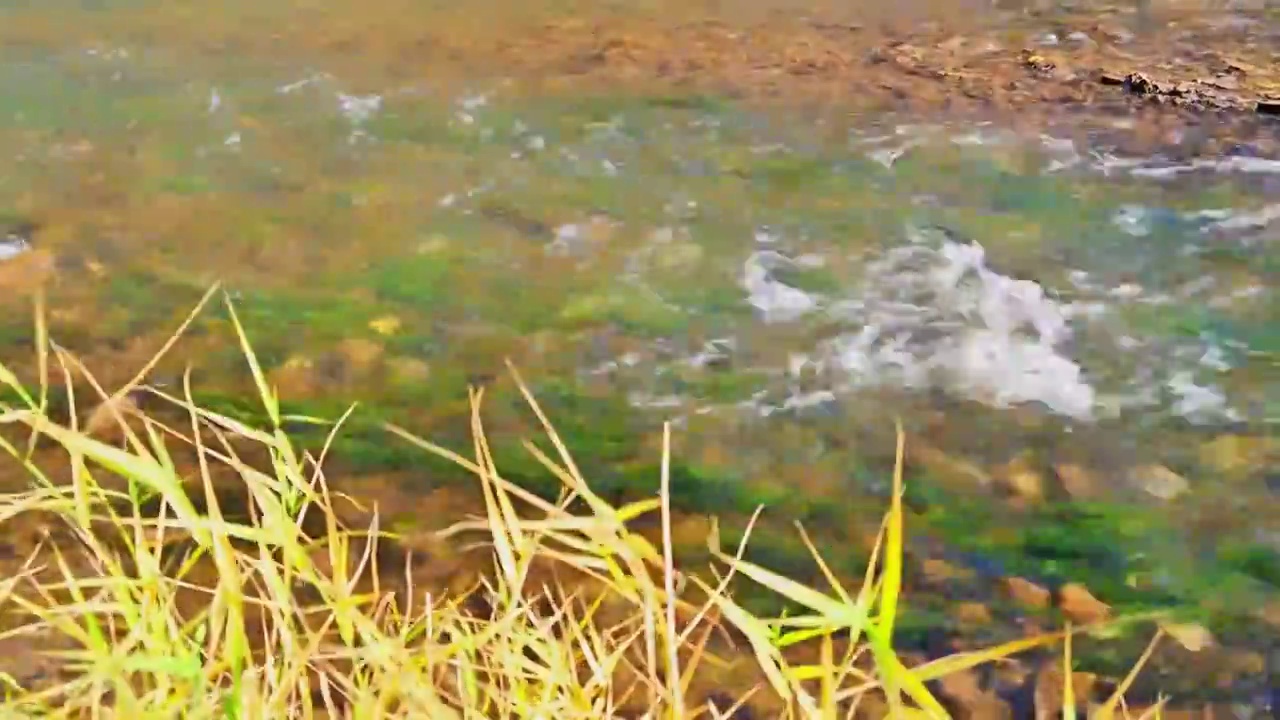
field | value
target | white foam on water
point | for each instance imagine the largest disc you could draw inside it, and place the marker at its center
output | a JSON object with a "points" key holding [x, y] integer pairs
{"points": [[1239, 219], [775, 300], [312, 79], [1158, 169], [1196, 402], [1133, 220], [939, 316], [359, 109], [1062, 153], [935, 315], [12, 246]]}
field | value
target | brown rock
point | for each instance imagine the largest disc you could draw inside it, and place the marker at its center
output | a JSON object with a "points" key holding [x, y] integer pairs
{"points": [[295, 379], [24, 274], [949, 469], [408, 371], [690, 531], [108, 420], [968, 698], [1234, 456], [26, 658], [1078, 604], [1050, 686], [1077, 481], [872, 706], [1243, 663], [1270, 614], [1192, 636], [1019, 477], [360, 355], [940, 571], [1159, 481], [1027, 593], [972, 614]]}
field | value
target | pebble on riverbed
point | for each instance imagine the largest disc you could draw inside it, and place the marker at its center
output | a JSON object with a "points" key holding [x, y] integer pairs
{"points": [[1020, 477], [1027, 593], [1159, 481], [1078, 482], [24, 268], [301, 377], [1078, 604], [107, 421]]}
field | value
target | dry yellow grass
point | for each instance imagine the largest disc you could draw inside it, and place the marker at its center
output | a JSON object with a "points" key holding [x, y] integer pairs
{"points": [[111, 601]]}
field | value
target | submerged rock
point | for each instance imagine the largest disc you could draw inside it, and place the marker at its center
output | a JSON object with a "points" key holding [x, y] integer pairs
{"points": [[1020, 477], [1078, 482], [1159, 481], [24, 268]]}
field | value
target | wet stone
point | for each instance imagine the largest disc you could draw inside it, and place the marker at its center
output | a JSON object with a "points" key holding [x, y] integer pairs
{"points": [[1077, 603], [12, 247], [23, 658], [1235, 456], [25, 269], [1021, 477], [972, 614], [1078, 482], [1027, 593], [408, 371], [1159, 481], [16, 238]]}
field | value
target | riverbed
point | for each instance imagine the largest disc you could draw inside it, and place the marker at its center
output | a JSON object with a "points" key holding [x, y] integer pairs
{"points": [[1044, 239]]}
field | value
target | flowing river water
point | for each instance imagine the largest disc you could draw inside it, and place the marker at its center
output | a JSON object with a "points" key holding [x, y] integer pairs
{"points": [[734, 224]]}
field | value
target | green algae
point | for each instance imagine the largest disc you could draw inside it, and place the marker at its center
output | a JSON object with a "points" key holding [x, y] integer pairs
{"points": [[635, 310]]}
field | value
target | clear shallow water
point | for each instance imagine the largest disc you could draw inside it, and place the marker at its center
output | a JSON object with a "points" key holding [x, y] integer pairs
{"points": [[1001, 268], [776, 283]]}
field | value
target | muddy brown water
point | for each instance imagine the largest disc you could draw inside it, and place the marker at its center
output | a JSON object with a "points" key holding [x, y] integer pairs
{"points": [[1043, 236]]}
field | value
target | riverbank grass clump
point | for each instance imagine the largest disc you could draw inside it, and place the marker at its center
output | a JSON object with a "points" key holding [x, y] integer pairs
{"points": [[146, 596]]}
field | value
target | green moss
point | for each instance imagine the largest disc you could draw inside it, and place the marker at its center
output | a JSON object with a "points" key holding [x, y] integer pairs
{"points": [[635, 108], [780, 552], [775, 545], [12, 219], [420, 280], [136, 301], [815, 280], [1256, 561], [824, 513], [1166, 320], [420, 123], [631, 308], [14, 333], [777, 551], [370, 450], [244, 407], [790, 173], [302, 319], [606, 437], [700, 102], [186, 184], [1128, 555], [711, 386]]}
